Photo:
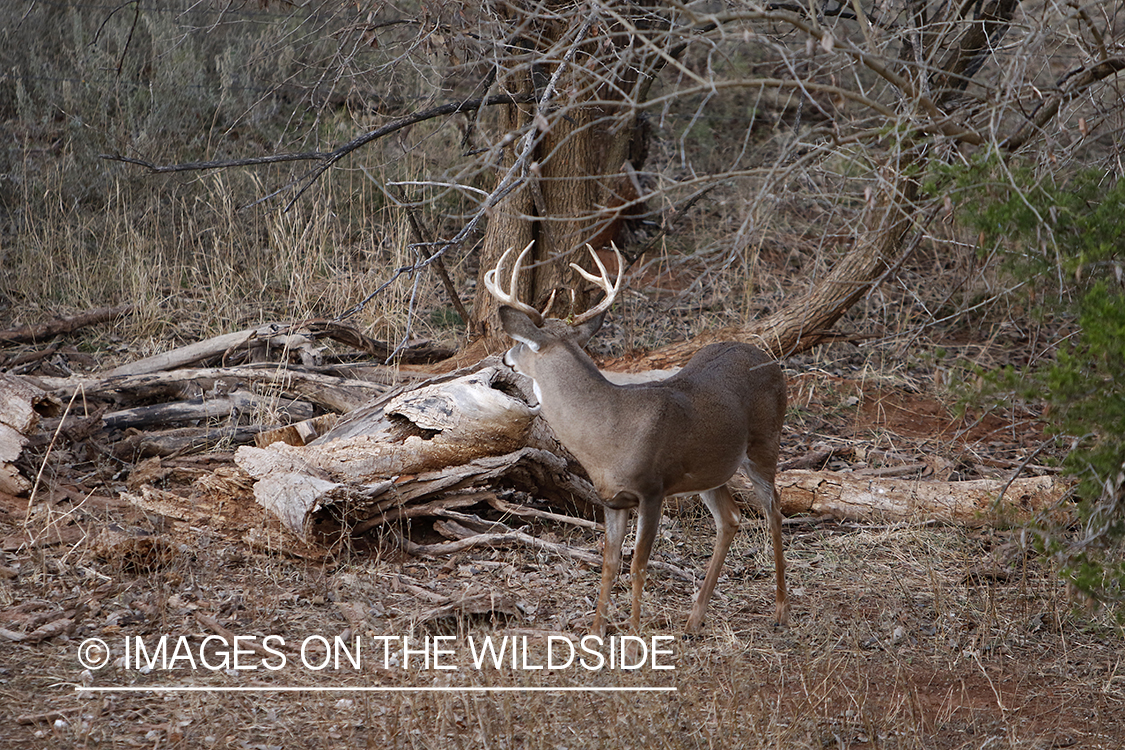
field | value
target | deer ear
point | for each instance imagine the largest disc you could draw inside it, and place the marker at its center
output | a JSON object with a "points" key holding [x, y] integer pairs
{"points": [[520, 326], [584, 331]]}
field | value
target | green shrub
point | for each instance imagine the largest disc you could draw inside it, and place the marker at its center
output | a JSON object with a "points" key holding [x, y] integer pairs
{"points": [[1066, 243]]}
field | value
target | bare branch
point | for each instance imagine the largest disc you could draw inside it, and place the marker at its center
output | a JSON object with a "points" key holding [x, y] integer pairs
{"points": [[1072, 85]]}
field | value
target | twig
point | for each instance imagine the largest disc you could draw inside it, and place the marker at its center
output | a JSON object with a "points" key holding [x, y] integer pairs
{"points": [[132, 29], [1079, 80], [522, 511], [511, 536], [46, 457], [443, 272], [1019, 469], [47, 717], [499, 540], [196, 166]]}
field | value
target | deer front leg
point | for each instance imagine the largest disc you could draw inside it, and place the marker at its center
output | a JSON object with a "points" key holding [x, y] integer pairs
{"points": [[648, 522], [721, 504], [616, 524]]}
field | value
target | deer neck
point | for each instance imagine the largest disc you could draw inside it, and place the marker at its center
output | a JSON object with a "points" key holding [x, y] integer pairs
{"points": [[574, 395]]}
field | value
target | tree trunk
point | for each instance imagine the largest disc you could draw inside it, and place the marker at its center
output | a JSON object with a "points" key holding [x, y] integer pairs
{"points": [[575, 188]]}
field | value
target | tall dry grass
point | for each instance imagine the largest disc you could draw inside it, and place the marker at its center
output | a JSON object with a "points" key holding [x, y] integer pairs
{"points": [[194, 251]]}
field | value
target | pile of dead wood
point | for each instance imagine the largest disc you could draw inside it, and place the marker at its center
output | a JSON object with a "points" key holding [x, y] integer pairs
{"points": [[357, 446], [221, 391]]}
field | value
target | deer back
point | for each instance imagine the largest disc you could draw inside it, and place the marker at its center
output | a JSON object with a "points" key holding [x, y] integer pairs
{"points": [[694, 430], [687, 433]]}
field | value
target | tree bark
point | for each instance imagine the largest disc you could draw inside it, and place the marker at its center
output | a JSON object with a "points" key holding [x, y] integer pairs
{"points": [[18, 417], [575, 188]]}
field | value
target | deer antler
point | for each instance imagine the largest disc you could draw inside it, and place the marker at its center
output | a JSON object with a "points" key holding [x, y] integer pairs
{"points": [[602, 281], [510, 297]]}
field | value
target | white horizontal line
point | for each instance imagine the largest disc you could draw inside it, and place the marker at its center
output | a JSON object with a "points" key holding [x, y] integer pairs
{"points": [[376, 689]]}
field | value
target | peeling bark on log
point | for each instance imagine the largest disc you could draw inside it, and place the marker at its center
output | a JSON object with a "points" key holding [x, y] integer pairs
{"points": [[19, 401], [449, 436]]}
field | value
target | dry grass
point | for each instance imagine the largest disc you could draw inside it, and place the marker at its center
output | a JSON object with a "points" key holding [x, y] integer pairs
{"points": [[192, 250]]}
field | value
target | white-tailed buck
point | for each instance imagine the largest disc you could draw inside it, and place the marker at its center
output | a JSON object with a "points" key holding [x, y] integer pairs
{"points": [[643, 442]]}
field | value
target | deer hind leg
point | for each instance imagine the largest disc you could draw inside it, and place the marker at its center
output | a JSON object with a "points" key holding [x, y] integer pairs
{"points": [[766, 494], [721, 504], [616, 524]]}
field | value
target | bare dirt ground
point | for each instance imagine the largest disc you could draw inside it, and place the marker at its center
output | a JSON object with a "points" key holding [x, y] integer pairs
{"points": [[902, 636]]}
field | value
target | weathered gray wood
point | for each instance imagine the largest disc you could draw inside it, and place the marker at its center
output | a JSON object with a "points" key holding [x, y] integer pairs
{"points": [[203, 408], [332, 392], [295, 338], [192, 353], [183, 441], [446, 436]]}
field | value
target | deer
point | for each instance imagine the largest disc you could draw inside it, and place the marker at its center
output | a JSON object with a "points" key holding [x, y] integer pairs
{"points": [[642, 442]]}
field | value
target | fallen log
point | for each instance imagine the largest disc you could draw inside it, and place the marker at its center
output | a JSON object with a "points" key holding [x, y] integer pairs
{"points": [[44, 331], [296, 339], [462, 434], [183, 441], [196, 352], [446, 437], [196, 409], [973, 502], [331, 392]]}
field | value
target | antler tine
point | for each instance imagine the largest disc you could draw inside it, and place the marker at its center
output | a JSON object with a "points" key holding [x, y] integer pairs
{"points": [[510, 297], [602, 281]]}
